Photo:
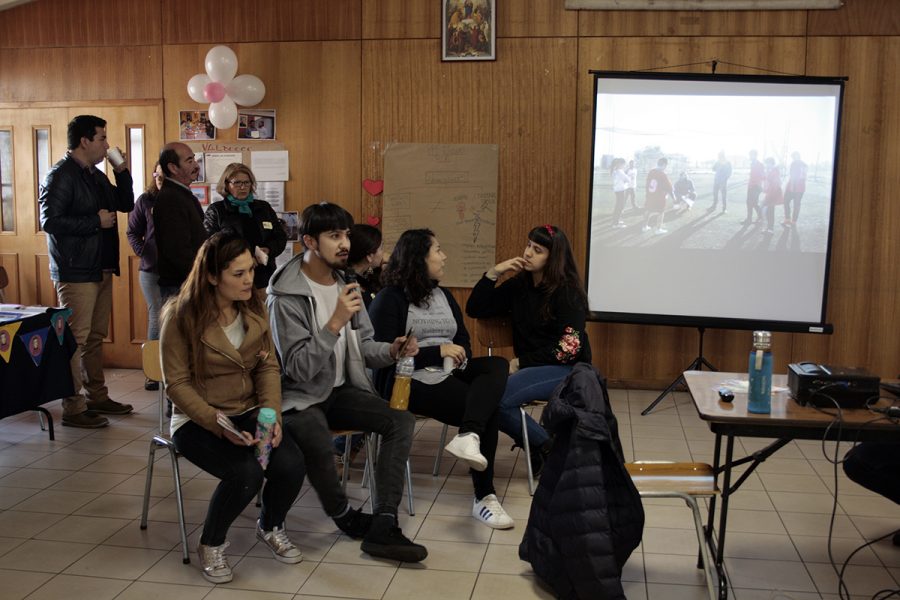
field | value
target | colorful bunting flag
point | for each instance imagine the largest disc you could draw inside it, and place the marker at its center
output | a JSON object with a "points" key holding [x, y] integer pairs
{"points": [[58, 320], [34, 342], [7, 334]]}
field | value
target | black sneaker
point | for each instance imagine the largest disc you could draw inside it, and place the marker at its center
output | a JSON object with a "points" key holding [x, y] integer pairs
{"points": [[539, 456], [150, 385], [896, 539], [355, 523], [385, 540]]}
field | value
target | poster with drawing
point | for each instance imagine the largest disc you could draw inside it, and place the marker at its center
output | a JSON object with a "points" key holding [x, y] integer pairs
{"points": [[452, 190]]}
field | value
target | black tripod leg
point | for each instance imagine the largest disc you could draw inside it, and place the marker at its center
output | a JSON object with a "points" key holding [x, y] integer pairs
{"points": [[665, 393]]}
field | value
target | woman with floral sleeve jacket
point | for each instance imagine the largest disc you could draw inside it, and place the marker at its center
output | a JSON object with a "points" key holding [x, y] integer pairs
{"points": [[548, 306]]}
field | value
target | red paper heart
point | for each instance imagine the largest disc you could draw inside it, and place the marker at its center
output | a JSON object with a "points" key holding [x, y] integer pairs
{"points": [[373, 186], [373, 220]]}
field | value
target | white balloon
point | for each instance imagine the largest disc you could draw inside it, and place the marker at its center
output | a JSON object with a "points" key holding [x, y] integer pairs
{"points": [[246, 90], [221, 64], [196, 85], [223, 114]]}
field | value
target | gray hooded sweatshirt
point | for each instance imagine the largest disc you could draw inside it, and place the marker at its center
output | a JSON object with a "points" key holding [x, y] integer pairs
{"points": [[306, 352]]}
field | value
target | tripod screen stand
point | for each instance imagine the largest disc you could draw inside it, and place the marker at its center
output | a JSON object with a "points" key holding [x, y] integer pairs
{"points": [[696, 365]]}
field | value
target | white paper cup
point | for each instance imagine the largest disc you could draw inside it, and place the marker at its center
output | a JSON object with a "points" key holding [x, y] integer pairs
{"points": [[115, 157]]}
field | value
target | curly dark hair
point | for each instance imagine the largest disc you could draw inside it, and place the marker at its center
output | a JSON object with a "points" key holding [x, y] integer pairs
{"points": [[406, 268]]}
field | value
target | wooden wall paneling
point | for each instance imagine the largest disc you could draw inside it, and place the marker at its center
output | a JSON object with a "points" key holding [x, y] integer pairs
{"points": [[234, 21], [535, 18], [859, 17], [654, 355], [10, 262], [864, 285], [522, 102], [670, 23], [78, 74], [62, 23], [400, 19]]}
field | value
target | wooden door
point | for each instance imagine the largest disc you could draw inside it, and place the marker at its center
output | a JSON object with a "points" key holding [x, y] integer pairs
{"points": [[38, 133]]}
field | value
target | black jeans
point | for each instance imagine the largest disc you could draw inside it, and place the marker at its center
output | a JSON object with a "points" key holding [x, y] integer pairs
{"points": [[876, 467], [468, 399], [350, 407], [241, 476]]}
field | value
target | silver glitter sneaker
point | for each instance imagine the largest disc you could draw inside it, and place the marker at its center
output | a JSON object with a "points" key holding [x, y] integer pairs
{"points": [[283, 549], [214, 564]]}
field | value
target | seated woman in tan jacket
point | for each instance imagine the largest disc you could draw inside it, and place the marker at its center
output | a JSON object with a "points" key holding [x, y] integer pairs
{"points": [[218, 359]]}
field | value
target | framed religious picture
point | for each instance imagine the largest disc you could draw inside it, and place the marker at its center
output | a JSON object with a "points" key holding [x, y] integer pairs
{"points": [[468, 30]]}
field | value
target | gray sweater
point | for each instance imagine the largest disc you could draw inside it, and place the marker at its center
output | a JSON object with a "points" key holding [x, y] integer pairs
{"points": [[306, 352]]}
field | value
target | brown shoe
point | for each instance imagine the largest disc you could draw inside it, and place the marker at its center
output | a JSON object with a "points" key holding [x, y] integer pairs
{"points": [[86, 420], [109, 407]]}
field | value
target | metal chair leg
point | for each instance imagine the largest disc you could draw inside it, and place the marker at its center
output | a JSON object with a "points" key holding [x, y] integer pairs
{"points": [[409, 490], [527, 449], [345, 473], [179, 500], [440, 452], [147, 484], [708, 565]]}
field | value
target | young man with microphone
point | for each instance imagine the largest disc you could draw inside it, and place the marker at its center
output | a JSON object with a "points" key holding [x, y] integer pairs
{"points": [[325, 385]]}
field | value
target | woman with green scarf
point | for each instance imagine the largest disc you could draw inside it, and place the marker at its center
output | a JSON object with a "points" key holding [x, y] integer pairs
{"points": [[252, 219]]}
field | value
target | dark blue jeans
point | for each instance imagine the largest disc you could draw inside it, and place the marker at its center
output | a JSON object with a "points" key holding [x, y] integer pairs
{"points": [[522, 387], [350, 407], [241, 476]]}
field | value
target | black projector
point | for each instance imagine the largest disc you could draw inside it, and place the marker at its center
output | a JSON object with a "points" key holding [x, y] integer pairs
{"points": [[816, 385]]}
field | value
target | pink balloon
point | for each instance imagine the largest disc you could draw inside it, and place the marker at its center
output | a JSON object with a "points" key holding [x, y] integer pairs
{"points": [[214, 91]]}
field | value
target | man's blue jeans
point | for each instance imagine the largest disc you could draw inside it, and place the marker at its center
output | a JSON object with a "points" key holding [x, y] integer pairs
{"points": [[522, 387]]}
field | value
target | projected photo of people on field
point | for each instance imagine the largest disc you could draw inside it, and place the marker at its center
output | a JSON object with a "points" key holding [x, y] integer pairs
{"points": [[712, 198], [706, 172]]}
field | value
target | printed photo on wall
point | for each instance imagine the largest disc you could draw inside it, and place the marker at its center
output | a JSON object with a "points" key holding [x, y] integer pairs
{"points": [[469, 30], [198, 157], [202, 194], [256, 124], [291, 223], [195, 125]]}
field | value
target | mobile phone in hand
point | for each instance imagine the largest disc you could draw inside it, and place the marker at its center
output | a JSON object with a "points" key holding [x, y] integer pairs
{"points": [[404, 344]]}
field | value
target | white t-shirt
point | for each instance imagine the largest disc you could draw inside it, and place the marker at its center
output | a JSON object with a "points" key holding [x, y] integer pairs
{"points": [[432, 325], [326, 297]]}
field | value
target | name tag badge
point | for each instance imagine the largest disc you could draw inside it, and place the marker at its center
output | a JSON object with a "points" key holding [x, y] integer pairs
{"points": [[267, 224]]}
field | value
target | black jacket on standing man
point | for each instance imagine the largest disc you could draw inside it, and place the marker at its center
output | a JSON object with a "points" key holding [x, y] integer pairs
{"points": [[70, 199], [178, 223]]}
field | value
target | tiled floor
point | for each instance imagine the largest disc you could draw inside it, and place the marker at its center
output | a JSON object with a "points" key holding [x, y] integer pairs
{"points": [[69, 513]]}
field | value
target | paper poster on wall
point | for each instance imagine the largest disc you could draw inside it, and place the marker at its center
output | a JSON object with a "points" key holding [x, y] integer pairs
{"points": [[272, 192], [285, 256], [291, 221], [270, 165], [216, 163], [451, 189]]}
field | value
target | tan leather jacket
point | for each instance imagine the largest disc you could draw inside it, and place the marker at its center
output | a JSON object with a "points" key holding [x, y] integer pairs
{"points": [[236, 381]]}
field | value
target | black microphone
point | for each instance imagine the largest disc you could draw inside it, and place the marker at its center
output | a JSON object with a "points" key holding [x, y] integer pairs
{"points": [[350, 277]]}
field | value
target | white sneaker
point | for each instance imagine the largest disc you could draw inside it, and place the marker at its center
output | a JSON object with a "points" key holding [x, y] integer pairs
{"points": [[213, 563], [645, 228], [467, 447], [283, 549], [660, 231], [489, 512]]}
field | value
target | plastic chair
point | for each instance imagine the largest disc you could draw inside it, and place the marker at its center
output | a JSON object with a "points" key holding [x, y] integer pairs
{"points": [[151, 362], [687, 481], [496, 332]]}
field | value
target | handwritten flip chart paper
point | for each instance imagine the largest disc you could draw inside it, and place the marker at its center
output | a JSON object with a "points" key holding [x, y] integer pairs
{"points": [[452, 190]]}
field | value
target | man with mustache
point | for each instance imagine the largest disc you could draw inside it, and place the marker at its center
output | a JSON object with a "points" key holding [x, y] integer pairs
{"points": [[177, 218], [324, 341]]}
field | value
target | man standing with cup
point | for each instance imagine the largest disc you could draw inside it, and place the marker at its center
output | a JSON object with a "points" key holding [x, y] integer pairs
{"points": [[78, 207]]}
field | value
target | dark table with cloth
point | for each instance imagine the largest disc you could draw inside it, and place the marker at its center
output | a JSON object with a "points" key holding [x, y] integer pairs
{"points": [[23, 384]]}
